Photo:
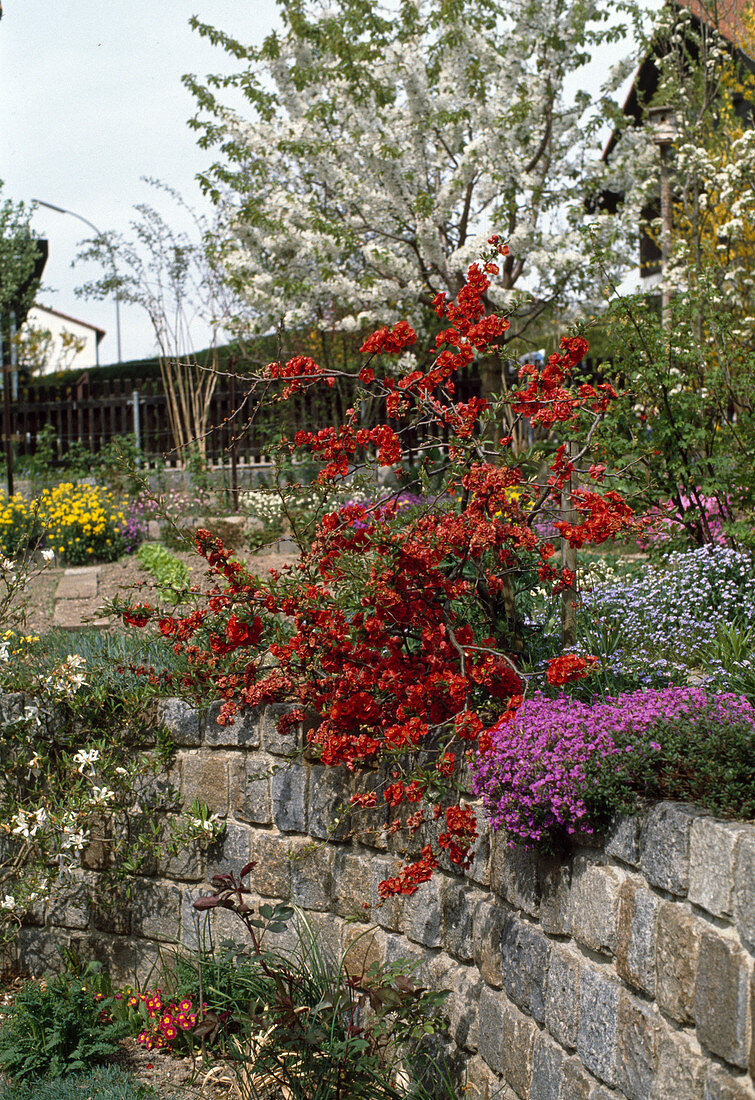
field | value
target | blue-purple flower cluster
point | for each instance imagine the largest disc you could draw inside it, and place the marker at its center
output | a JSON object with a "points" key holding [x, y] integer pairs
{"points": [[662, 620], [536, 779]]}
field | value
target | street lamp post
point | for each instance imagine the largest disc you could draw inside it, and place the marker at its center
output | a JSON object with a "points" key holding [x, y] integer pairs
{"points": [[61, 210]]}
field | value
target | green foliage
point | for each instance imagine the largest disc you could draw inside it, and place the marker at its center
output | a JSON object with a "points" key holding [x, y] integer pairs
{"points": [[54, 1029], [18, 257], [39, 466], [732, 653], [104, 1083], [170, 573], [698, 760]]}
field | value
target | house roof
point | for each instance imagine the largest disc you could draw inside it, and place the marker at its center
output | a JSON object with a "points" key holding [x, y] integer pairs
{"points": [[729, 17], [99, 332]]}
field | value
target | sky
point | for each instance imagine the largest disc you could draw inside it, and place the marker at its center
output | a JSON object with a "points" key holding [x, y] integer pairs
{"points": [[92, 102]]}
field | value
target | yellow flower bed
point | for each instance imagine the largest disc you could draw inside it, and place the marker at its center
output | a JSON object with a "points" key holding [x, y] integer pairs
{"points": [[80, 522]]}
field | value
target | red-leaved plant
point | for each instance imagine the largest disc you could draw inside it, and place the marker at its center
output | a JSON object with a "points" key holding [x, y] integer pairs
{"points": [[397, 639]]}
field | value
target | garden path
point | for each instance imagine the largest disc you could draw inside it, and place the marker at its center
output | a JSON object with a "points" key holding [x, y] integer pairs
{"points": [[76, 599]]}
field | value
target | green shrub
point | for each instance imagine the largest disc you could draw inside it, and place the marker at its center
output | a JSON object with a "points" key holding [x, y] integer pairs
{"points": [[55, 1029], [168, 571], [105, 1083]]}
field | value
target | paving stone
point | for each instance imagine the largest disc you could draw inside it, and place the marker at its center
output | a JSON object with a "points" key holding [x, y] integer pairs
{"points": [[329, 815], [639, 1034], [680, 1069], [78, 584], [514, 875], [457, 910], [722, 999], [76, 614], [181, 719], [623, 838], [311, 874], [676, 954], [744, 893], [664, 846], [562, 998], [720, 1085], [597, 1041], [594, 905], [547, 1065], [525, 953], [486, 925], [272, 875], [249, 797], [243, 731], [635, 939], [288, 789], [204, 776], [711, 865]]}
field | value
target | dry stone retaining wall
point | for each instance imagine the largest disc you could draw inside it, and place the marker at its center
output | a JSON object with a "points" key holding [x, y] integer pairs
{"points": [[625, 971]]}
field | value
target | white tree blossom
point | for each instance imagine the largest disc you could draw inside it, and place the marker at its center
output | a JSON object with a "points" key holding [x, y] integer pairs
{"points": [[383, 147]]}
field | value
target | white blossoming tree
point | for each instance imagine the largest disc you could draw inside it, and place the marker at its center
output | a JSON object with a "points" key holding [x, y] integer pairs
{"points": [[381, 144]]}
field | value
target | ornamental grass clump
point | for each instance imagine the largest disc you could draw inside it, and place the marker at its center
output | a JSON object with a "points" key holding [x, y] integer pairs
{"points": [[562, 766]]}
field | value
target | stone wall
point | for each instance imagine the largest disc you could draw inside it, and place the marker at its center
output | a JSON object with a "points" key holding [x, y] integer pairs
{"points": [[625, 971]]}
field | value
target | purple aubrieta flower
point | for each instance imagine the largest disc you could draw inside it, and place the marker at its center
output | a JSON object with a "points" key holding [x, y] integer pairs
{"points": [[532, 782]]}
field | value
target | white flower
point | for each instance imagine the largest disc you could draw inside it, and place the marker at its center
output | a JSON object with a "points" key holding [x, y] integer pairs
{"points": [[102, 794], [8, 902], [48, 555], [86, 759], [6, 565]]}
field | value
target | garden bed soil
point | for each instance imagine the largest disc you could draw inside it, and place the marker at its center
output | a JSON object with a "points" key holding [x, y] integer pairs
{"points": [[117, 579]]}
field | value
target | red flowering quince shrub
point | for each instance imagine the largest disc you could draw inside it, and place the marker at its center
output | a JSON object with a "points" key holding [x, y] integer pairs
{"points": [[397, 640]]}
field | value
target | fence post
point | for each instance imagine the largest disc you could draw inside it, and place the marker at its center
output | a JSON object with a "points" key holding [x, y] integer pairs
{"points": [[137, 425]]}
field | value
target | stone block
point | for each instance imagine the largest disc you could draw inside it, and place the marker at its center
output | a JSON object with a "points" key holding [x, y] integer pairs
{"points": [[576, 1082], [639, 1033], [516, 1046], [413, 959], [157, 787], [204, 775], [635, 940], [525, 954], [478, 871], [482, 1082], [514, 875], [288, 787], [36, 951], [311, 874], [275, 743], [680, 1069], [388, 913], [597, 1038], [181, 721], [272, 875], [69, 904], [711, 865], [721, 1085], [156, 911], [461, 1005], [486, 932], [490, 1029], [112, 907], [664, 846], [329, 815], [547, 1067], [352, 879], [457, 910], [676, 953], [555, 886], [423, 914], [623, 838], [594, 904], [722, 999], [242, 732], [11, 707], [562, 997], [231, 851], [249, 788], [744, 892]]}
